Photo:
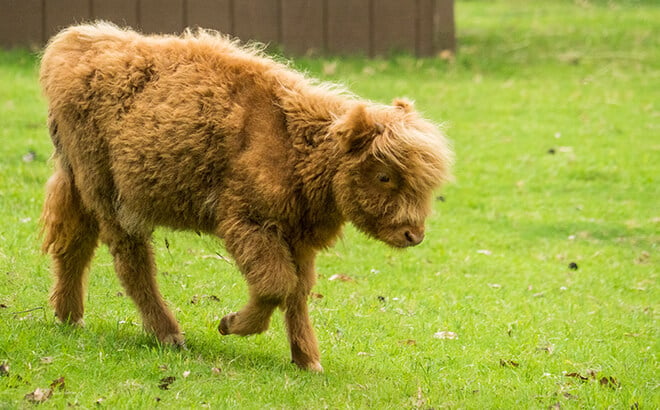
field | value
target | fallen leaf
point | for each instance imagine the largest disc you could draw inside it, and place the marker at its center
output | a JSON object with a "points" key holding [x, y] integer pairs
{"points": [[4, 369], [644, 285], [364, 354], [341, 277], [368, 71], [186, 374], [592, 375], [445, 335], [446, 55], [329, 68], [643, 258], [216, 256], [58, 383], [509, 363], [3, 306], [570, 57], [196, 298], [30, 156], [408, 342], [484, 252], [420, 401], [47, 360], [216, 370], [165, 382], [549, 348], [316, 295], [609, 382], [495, 285], [163, 367], [39, 395], [577, 376]]}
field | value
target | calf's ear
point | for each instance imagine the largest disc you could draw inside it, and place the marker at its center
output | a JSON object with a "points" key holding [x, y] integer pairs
{"points": [[405, 104], [356, 128]]}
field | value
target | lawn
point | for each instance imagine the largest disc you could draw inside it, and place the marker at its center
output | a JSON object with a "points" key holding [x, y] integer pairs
{"points": [[535, 288]]}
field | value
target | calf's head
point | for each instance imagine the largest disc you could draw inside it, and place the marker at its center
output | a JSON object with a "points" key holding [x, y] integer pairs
{"points": [[391, 161]]}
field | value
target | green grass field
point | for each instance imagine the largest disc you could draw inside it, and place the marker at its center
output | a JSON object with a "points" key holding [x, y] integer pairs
{"points": [[553, 110]]}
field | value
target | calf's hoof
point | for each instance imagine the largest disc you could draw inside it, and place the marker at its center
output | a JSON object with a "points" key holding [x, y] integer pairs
{"points": [[174, 339], [70, 320], [314, 367], [225, 324], [74, 323]]}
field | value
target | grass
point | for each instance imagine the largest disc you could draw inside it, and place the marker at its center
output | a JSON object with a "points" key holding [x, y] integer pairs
{"points": [[579, 79]]}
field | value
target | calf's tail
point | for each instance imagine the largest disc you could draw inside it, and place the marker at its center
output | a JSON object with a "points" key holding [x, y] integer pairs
{"points": [[62, 212], [59, 213]]}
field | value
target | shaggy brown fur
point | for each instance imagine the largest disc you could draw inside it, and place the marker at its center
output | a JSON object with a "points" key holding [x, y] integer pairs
{"points": [[195, 132]]}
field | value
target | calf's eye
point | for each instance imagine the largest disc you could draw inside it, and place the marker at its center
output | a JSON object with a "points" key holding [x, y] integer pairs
{"points": [[383, 178]]}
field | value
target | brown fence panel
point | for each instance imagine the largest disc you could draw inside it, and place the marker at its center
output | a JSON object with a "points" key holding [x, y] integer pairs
{"points": [[213, 14], [349, 27], [120, 12], [63, 13], [394, 26], [363, 27], [161, 16], [425, 11], [257, 20], [445, 31], [303, 26], [21, 23]]}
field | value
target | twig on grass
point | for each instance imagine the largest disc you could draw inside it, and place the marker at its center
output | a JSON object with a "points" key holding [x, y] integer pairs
{"points": [[25, 311]]}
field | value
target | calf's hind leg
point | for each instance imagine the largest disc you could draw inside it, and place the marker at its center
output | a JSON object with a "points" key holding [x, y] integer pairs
{"points": [[70, 237], [136, 268]]}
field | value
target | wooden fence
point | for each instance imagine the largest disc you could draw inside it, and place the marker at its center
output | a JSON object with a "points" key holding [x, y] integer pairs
{"points": [[366, 27]]}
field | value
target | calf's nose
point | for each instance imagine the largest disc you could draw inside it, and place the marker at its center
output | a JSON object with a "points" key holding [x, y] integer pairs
{"points": [[414, 236]]}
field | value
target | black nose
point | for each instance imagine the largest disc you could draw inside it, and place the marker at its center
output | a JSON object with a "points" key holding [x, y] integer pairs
{"points": [[414, 238]]}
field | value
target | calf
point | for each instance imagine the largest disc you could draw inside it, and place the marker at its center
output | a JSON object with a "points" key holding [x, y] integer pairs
{"points": [[196, 132]]}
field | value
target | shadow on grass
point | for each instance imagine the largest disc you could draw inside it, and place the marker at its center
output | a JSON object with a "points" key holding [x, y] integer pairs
{"points": [[122, 343], [130, 340]]}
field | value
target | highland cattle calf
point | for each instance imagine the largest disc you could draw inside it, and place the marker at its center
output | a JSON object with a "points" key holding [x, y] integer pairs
{"points": [[195, 132]]}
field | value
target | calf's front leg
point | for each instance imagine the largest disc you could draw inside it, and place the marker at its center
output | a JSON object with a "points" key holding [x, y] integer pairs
{"points": [[275, 277], [304, 346], [266, 262]]}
